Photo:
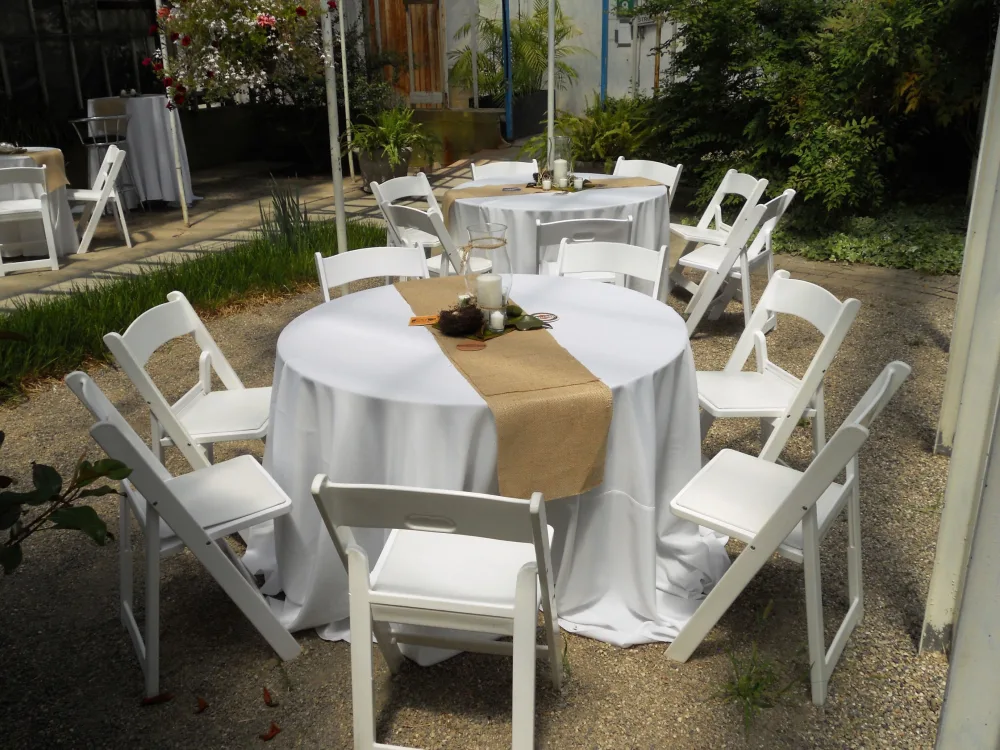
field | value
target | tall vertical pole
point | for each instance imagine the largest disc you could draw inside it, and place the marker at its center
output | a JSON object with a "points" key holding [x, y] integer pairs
{"points": [[605, 12], [474, 49], [334, 120], [656, 57], [508, 70], [347, 97], [552, 79], [173, 117]]}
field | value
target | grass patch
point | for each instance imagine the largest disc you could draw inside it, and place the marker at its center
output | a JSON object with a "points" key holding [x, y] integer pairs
{"points": [[64, 332], [928, 238]]}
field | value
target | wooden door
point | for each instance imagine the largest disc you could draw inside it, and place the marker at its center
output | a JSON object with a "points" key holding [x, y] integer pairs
{"points": [[419, 44]]}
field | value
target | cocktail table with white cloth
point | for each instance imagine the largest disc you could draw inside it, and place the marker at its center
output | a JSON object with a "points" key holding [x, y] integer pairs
{"points": [[150, 151], [15, 233], [647, 205], [364, 398]]}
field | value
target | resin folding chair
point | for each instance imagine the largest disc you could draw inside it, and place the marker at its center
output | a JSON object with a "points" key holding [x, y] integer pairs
{"points": [[35, 208], [615, 258], [197, 511], [727, 268], [711, 228], [407, 188], [549, 236], [201, 417], [775, 396], [103, 192], [369, 263], [777, 510], [514, 169], [403, 218], [454, 560], [654, 170]]}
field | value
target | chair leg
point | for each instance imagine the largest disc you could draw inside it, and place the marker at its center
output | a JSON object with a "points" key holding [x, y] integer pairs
{"points": [[722, 301], [155, 437], [745, 283], [676, 275], [88, 233], [134, 184], [707, 420], [814, 607], [390, 651], [50, 237], [125, 579], [120, 220], [525, 614], [152, 614], [362, 676], [855, 577], [819, 423]]}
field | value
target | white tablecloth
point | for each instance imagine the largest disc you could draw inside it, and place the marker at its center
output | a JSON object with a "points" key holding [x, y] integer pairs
{"points": [[150, 151], [647, 206], [31, 231], [363, 397]]}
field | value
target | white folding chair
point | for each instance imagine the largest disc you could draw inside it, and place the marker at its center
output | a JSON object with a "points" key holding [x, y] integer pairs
{"points": [[201, 417], [100, 194], [28, 209], [654, 170], [513, 169], [454, 560], [430, 222], [369, 263], [549, 235], [400, 188], [193, 510], [613, 257], [733, 183], [720, 264], [775, 396], [775, 509]]}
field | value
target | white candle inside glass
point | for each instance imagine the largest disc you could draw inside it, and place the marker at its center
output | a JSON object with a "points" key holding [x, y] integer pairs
{"points": [[496, 320], [560, 168], [564, 182], [546, 184], [489, 292], [578, 183]]}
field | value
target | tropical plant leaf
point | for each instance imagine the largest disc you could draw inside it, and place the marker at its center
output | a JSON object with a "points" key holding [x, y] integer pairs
{"points": [[82, 518], [10, 558], [104, 489], [9, 516], [46, 480]]}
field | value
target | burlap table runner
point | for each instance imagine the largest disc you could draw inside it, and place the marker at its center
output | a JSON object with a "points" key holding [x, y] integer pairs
{"points": [[55, 167], [495, 191], [552, 414]]}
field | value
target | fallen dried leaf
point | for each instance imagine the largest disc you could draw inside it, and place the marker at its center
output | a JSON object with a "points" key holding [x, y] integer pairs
{"points": [[268, 699], [202, 705], [161, 698], [271, 733]]}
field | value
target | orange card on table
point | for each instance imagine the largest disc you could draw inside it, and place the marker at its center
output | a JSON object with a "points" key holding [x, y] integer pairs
{"points": [[424, 320]]}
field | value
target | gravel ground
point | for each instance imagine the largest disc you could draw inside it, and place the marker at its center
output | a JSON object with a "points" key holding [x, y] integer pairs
{"points": [[69, 677]]}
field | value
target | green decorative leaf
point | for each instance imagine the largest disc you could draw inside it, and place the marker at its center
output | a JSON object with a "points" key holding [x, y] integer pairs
{"points": [[528, 323], [46, 479], [32, 497], [10, 558], [5, 482], [112, 469], [82, 518], [104, 489], [9, 516]]}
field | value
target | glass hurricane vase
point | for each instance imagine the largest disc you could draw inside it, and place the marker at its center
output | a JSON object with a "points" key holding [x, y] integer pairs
{"points": [[488, 272]]}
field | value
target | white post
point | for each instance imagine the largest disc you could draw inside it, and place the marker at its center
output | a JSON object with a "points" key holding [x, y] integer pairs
{"points": [[173, 117], [552, 80], [333, 117], [347, 98], [975, 376], [474, 49]]}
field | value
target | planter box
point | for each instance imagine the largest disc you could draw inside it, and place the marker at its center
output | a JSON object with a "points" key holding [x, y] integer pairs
{"points": [[592, 167], [377, 168], [529, 111]]}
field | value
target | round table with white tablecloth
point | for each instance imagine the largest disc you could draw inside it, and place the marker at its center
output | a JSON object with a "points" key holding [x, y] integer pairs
{"points": [[150, 150], [648, 207], [30, 231], [364, 398]]}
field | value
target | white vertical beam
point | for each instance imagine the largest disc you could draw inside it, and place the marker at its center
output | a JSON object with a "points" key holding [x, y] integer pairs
{"points": [[987, 171], [334, 123], [474, 48], [977, 379], [347, 96], [174, 118], [552, 81]]}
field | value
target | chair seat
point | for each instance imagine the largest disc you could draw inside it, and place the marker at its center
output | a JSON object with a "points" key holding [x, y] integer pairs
{"points": [[450, 572], [736, 494], [710, 257], [698, 234], [551, 268], [228, 415], [479, 265], [223, 498], [411, 235], [25, 206], [85, 195], [744, 394]]}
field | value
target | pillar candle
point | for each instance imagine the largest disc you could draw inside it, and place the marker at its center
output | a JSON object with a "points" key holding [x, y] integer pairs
{"points": [[489, 292], [560, 168]]}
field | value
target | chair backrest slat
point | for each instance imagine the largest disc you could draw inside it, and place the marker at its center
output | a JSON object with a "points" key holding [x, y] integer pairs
{"points": [[398, 188], [31, 176], [774, 210], [733, 183], [369, 263], [523, 169], [155, 327], [429, 221], [549, 235], [615, 257], [654, 170]]}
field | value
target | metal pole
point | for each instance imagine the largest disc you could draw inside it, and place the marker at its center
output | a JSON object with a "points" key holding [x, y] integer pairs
{"points": [[656, 57], [508, 70], [635, 56], [552, 79], [605, 12], [474, 48], [174, 118], [334, 121], [347, 97]]}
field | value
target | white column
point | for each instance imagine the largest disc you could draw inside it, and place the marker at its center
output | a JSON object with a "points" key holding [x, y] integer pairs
{"points": [[552, 80], [332, 117], [347, 96], [976, 375], [174, 118]]}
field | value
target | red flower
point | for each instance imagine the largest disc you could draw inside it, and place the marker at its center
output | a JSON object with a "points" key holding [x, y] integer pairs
{"points": [[146, 61], [153, 29], [170, 105], [266, 20], [174, 36], [157, 67], [186, 41], [168, 81], [163, 12], [210, 73], [179, 99], [181, 88], [300, 11], [331, 4]]}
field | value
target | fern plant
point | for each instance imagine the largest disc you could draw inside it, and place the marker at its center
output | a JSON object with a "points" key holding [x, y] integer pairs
{"points": [[392, 133], [529, 53]]}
